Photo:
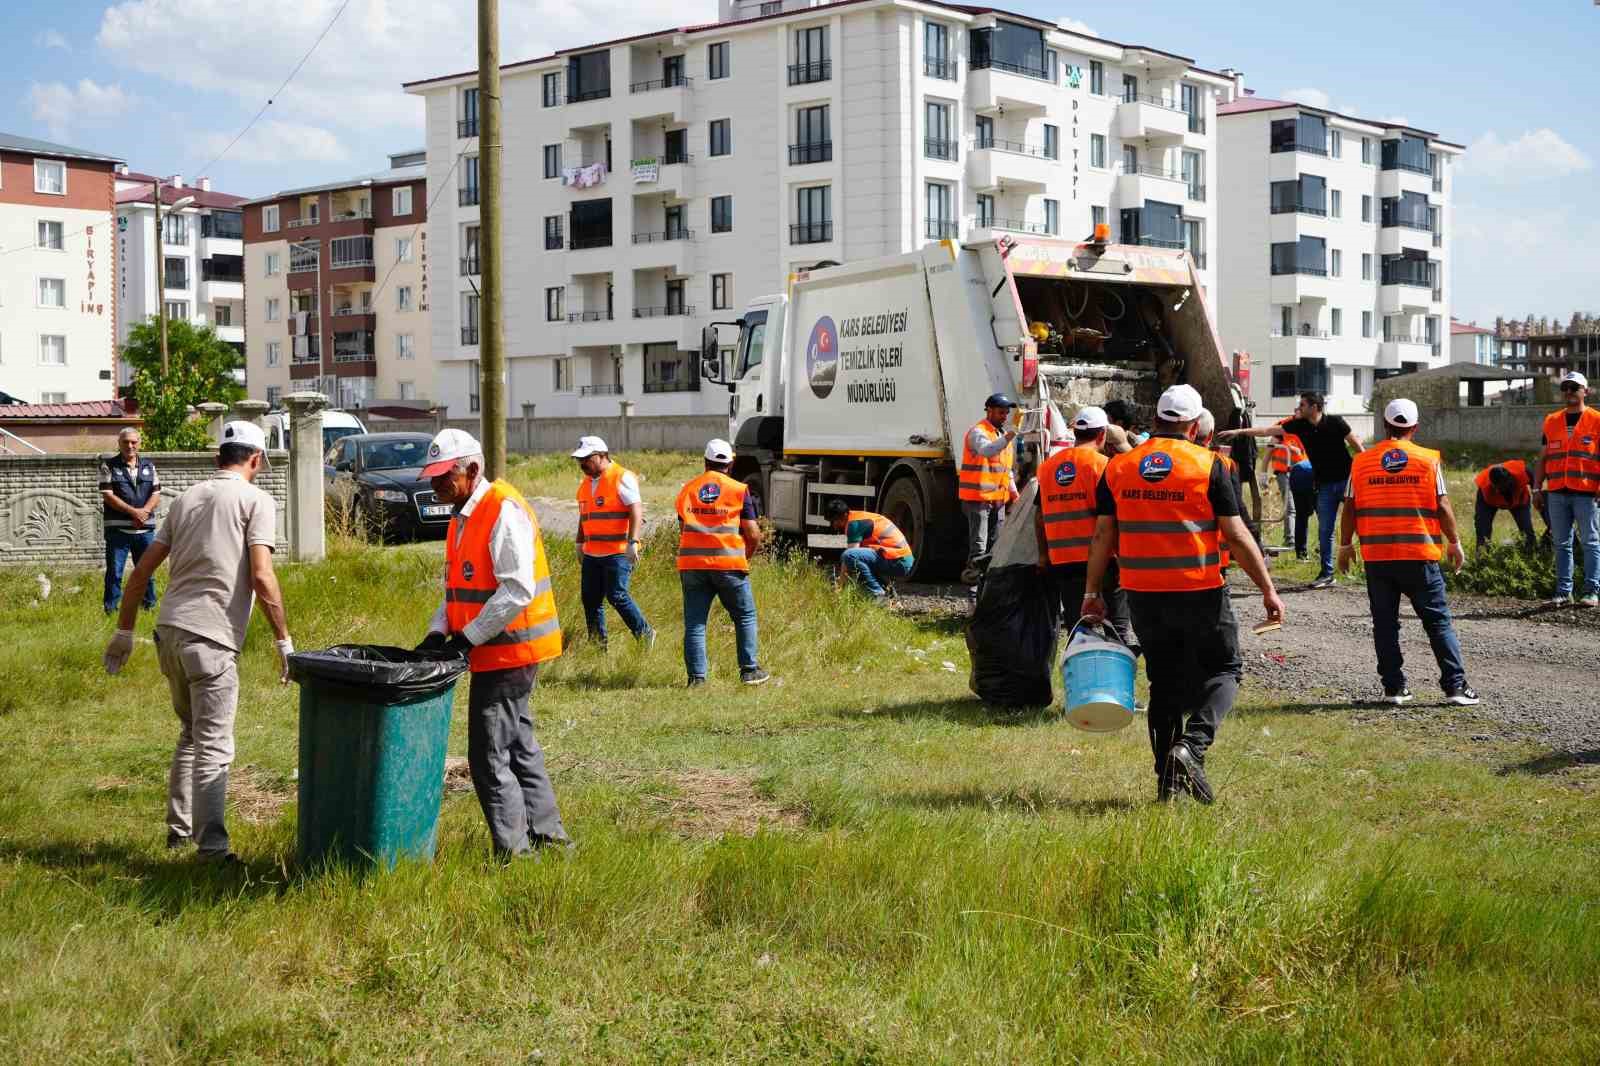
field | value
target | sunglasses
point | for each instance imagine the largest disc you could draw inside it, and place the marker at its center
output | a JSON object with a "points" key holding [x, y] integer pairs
{"points": [[1570, 387]]}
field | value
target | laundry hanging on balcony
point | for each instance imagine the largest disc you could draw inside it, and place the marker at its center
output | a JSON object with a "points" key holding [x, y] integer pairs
{"points": [[584, 177]]}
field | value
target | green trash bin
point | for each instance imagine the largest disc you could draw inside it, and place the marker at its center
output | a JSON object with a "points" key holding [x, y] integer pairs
{"points": [[374, 725]]}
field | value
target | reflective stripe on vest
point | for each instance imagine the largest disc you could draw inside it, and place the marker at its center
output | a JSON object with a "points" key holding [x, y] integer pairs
{"points": [[708, 509], [1520, 496], [1285, 452], [1067, 483], [885, 538], [1572, 457], [1395, 485], [602, 516], [984, 479], [1167, 533], [534, 634]]}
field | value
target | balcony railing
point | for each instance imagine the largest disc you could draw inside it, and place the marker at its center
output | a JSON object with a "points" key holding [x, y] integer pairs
{"points": [[1296, 268], [297, 223], [1302, 146], [176, 281], [1406, 223], [469, 334], [1296, 208], [466, 127], [678, 82], [1153, 101], [1146, 170], [656, 236], [692, 385], [1412, 167], [353, 355], [806, 73], [811, 233], [467, 196], [600, 390], [1197, 193], [771, 7], [350, 264], [209, 272], [939, 68], [589, 94], [1410, 279], [933, 148], [469, 266], [942, 229], [670, 311], [1303, 333], [670, 159], [1037, 151], [1158, 242], [578, 244], [589, 316], [1405, 338], [812, 152], [1196, 123], [1010, 68], [1012, 225], [344, 312]]}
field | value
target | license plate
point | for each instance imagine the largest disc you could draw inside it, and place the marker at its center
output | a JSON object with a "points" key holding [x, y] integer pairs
{"points": [[436, 510]]}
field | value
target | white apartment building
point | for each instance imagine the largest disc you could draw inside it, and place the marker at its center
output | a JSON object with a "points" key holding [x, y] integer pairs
{"points": [[202, 249], [58, 273], [659, 183], [1336, 266]]}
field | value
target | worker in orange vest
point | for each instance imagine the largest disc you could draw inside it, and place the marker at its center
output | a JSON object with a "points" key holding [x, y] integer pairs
{"points": [[985, 484], [1165, 509], [1398, 506], [1277, 459], [1504, 487], [717, 536], [875, 550], [1570, 468], [500, 612], [610, 519]]}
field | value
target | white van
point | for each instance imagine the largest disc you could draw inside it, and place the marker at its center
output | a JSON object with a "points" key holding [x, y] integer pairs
{"points": [[335, 425]]}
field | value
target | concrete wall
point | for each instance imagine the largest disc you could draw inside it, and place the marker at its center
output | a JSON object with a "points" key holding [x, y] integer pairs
{"points": [[685, 433], [1516, 427], [50, 510]]}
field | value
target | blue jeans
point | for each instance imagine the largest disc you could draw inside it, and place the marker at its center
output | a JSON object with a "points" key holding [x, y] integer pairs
{"points": [[1328, 499], [700, 587], [605, 580], [1566, 513], [1422, 584], [870, 568], [120, 543]]}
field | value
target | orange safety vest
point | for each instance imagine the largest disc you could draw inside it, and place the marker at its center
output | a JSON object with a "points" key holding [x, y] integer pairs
{"points": [[885, 538], [1572, 457], [1067, 483], [1395, 489], [985, 479], [708, 511], [1520, 496], [1167, 535], [1222, 544], [534, 635], [602, 516], [1285, 452]]}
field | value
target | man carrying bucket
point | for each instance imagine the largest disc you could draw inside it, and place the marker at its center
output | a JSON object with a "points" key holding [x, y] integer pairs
{"points": [[1165, 510]]}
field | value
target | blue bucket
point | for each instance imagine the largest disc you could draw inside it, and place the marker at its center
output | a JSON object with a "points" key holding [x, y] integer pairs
{"points": [[1097, 676]]}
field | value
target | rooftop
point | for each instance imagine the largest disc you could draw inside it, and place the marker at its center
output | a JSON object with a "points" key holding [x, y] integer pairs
{"points": [[1247, 105], [392, 176], [1459, 328], [171, 194], [12, 142], [1462, 372], [84, 409]]}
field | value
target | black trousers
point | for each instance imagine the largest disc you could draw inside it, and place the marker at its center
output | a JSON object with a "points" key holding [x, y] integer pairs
{"points": [[1066, 589], [1483, 520], [1191, 656], [1305, 509], [507, 764]]}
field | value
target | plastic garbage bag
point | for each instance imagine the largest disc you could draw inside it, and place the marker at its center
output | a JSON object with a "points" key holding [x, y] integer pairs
{"points": [[1012, 637], [378, 673]]}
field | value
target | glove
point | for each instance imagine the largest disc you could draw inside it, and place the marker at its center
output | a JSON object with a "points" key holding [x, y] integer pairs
{"points": [[434, 641], [632, 551], [118, 650], [458, 644], [285, 649]]}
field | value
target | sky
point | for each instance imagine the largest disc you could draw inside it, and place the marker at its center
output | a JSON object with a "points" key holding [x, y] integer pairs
{"points": [[168, 84]]}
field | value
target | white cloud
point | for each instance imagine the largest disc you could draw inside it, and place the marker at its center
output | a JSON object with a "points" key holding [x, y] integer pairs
{"points": [[280, 142], [51, 39], [1076, 26], [1311, 98], [61, 107], [1541, 153]]}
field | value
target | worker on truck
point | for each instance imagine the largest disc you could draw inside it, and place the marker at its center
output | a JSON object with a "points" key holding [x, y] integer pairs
{"points": [[985, 484], [1505, 487], [875, 551]]}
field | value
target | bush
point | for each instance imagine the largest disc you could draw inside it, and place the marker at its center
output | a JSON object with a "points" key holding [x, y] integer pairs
{"points": [[1511, 570]]}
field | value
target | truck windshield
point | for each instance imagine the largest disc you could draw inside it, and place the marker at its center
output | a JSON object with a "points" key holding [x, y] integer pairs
{"points": [[754, 341]]}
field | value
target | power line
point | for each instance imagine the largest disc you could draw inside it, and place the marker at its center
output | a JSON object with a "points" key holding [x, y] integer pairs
{"points": [[443, 185]]}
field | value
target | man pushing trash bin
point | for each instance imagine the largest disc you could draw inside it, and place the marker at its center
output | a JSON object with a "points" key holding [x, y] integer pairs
{"points": [[500, 612]]}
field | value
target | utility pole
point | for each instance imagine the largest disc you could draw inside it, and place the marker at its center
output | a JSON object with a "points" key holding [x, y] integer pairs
{"points": [[161, 285], [492, 365]]}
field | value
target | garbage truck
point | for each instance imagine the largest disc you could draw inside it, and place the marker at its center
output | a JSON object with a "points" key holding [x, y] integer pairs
{"points": [[860, 380]]}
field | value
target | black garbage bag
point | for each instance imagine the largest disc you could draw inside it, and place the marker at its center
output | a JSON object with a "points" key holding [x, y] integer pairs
{"points": [[378, 673], [1012, 638]]}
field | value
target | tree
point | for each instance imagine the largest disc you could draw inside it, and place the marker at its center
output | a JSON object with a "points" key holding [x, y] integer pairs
{"points": [[201, 371]]}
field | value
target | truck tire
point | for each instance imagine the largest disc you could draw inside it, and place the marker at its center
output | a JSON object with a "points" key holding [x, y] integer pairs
{"points": [[904, 505]]}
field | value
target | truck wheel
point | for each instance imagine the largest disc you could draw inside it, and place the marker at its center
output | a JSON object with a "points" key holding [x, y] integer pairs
{"points": [[904, 506]]}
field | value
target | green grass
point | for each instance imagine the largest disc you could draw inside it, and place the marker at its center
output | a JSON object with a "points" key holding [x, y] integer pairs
{"points": [[934, 882]]}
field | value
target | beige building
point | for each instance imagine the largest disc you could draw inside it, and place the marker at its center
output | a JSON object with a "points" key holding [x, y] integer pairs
{"points": [[336, 291]]}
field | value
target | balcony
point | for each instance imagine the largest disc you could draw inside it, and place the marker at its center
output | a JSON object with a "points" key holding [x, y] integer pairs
{"points": [[600, 390], [302, 222], [229, 333], [469, 335], [684, 384], [1402, 180], [1299, 284], [943, 69], [1397, 350], [1011, 225], [939, 229], [311, 356], [994, 164], [579, 244], [811, 233], [1305, 146], [589, 316], [812, 152], [1151, 117], [666, 99], [995, 86], [679, 82], [469, 265], [1295, 207], [346, 319], [1403, 298], [1150, 183], [669, 311], [466, 127], [933, 148], [809, 73], [467, 196], [1393, 240], [657, 236], [1161, 242]]}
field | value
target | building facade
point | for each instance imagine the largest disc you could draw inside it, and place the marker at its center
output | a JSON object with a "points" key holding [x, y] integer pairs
{"points": [[1336, 264], [58, 273], [336, 290], [1471, 343], [656, 184], [202, 253]]}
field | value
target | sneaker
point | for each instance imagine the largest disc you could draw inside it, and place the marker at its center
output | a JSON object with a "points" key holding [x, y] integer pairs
{"points": [[1397, 696], [177, 840], [696, 682], [1302, 557], [1559, 601], [756, 676], [1193, 778], [1324, 582], [1590, 600], [1462, 697], [647, 638]]}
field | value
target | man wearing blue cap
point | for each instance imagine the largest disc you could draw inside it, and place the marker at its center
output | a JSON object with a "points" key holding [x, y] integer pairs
{"points": [[984, 484]]}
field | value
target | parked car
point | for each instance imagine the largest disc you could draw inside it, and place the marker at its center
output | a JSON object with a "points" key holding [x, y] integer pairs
{"points": [[377, 479], [335, 424]]}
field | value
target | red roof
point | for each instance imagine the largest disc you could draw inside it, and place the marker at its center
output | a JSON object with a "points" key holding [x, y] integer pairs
{"points": [[1459, 328], [1246, 104], [171, 194], [83, 409]]}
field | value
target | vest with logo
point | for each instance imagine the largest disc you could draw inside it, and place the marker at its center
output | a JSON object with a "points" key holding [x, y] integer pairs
{"points": [[1572, 456], [1167, 535], [1395, 488], [1285, 452], [1067, 484], [133, 488], [602, 516], [708, 509], [885, 538], [1519, 497], [985, 479], [534, 635]]}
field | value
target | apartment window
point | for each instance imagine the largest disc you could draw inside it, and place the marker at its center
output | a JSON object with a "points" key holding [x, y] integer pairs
{"points": [[1308, 195], [940, 224], [52, 292], [721, 136], [469, 318], [467, 125], [1366, 150], [1335, 263], [1052, 67], [1052, 216], [552, 90], [938, 140], [1366, 324], [1335, 144], [402, 249], [675, 147], [1312, 376], [552, 160], [274, 353], [1366, 266], [404, 346], [984, 125], [1336, 319], [1193, 241], [1286, 321], [562, 374], [474, 387], [810, 56], [1097, 77], [177, 310], [52, 397], [552, 304], [402, 298], [402, 200], [811, 136], [273, 310], [717, 60], [1191, 169], [1097, 150], [175, 229], [813, 215], [1097, 215], [221, 314], [1358, 381], [1052, 141], [1189, 100], [177, 271], [1308, 255], [51, 236], [936, 51], [1285, 382], [722, 214], [1366, 209], [274, 263], [52, 350], [721, 291], [408, 390], [349, 252], [49, 177], [1130, 159], [269, 219], [985, 211], [304, 256], [552, 232], [1130, 87], [1335, 204]]}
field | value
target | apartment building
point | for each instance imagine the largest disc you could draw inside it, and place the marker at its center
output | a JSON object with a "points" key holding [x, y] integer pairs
{"points": [[1336, 266], [336, 290], [658, 183], [58, 273], [202, 252], [1471, 343]]}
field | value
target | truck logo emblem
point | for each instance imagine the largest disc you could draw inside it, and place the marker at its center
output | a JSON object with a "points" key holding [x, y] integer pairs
{"points": [[1066, 473], [1394, 460], [822, 357], [709, 492], [1155, 467]]}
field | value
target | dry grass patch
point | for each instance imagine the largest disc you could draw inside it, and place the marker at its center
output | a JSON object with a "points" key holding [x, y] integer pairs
{"points": [[258, 796], [708, 803]]}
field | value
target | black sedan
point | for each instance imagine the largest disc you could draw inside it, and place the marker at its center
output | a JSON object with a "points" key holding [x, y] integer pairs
{"points": [[376, 479]]}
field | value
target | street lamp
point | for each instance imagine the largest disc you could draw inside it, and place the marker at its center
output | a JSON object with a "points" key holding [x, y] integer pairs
{"points": [[161, 271]]}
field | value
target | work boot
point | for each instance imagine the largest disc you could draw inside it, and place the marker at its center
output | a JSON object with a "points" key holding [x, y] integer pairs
{"points": [[1193, 779]]}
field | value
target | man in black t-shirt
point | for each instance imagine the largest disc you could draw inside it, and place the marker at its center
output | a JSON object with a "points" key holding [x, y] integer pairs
{"points": [[1329, 442]]}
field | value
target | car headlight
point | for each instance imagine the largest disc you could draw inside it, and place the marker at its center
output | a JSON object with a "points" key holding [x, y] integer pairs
{"points": [[390, 496]]}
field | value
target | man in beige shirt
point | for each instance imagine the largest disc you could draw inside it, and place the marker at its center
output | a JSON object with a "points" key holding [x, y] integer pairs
{"points": [[219, 535]]}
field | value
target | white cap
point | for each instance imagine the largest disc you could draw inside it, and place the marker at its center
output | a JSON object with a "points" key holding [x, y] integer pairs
{"points": [[448, 447], [1181, 403], [1401, 412], [588, 446], [250, 435], [719, 450], [1575, 378], [1090, 418]]}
